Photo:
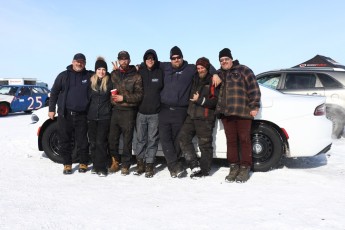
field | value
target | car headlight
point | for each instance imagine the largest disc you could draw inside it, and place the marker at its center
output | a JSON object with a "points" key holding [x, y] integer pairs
{"points": [[34, 118]]}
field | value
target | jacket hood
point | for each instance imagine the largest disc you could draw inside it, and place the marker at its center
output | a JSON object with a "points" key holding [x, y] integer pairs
{"points": [[152, 52]]}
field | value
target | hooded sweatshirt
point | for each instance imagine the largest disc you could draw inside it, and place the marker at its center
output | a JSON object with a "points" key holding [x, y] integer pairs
{"points": [[152, 84], [70, 91]]}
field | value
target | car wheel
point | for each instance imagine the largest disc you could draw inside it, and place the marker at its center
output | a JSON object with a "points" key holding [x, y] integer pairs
{"points": [[51, 146], [337, 118], [267, 147], [4, 109]]}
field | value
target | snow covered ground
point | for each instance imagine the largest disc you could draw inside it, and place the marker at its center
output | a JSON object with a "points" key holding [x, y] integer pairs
{"points": [[306, 193]]}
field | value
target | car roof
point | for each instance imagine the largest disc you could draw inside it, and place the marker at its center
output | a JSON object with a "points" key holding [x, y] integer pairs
{"points": [[307, 69]]}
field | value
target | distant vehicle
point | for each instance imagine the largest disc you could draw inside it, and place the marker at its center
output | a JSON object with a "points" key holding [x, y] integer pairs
{"points": [[18, 98], [286, 125], [42, 84], [323, 81], [18, 81]]}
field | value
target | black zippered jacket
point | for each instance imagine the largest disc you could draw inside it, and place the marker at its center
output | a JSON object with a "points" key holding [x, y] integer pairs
{"points": [[204, 108], [100, 107], [152, 84], [78, 100]]}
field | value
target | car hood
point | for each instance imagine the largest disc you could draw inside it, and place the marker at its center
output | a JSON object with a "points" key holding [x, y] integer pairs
{"points": [[7, 98]]}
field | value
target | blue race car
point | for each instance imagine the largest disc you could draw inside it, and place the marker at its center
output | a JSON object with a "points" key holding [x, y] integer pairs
{"points": [[19, 98]]}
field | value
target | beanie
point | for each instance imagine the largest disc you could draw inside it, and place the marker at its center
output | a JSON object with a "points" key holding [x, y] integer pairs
{"points": [[123, 55], [100, 63], [225, 53], [175, 51], [203, 62]]}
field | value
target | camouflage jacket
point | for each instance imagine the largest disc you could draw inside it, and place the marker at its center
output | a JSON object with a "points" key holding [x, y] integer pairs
{"points": [[129, 85]]}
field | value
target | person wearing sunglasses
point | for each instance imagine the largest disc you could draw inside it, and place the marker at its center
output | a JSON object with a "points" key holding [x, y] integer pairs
{"points": [[147, 117], [178, 76]]}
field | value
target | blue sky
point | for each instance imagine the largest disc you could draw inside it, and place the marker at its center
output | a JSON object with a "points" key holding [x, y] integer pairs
{"points": [[39, 38]]}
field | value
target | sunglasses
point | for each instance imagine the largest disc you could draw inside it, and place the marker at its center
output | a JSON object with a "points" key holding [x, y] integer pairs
{"points": [[175, 58], [150, 58], [224, 59]]}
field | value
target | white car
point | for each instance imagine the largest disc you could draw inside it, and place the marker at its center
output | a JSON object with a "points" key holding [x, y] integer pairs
{"points": [[286, 125]]}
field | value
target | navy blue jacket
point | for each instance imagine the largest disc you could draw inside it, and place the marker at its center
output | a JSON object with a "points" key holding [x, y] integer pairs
{"points": [[77, 98], [178, 83]]}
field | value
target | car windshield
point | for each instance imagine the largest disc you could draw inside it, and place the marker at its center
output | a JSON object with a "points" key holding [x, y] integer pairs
{"points": [[8, 90]]}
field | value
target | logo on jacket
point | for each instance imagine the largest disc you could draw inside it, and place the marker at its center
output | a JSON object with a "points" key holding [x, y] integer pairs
{"points": [[83, 81], [155, 80]]}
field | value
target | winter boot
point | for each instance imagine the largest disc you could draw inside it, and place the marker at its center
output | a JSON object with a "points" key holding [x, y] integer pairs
{"points": [[93, 171], [243, 175], [199, 174], [195, 170], [82, 168], [124, 170], [115, 165], [149, 172], [234, 170], [140, 167], [102, 173], [67, 169], [180, 171]]}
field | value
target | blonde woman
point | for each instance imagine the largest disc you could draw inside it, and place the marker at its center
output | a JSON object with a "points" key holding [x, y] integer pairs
{"points": [[99, 115]]}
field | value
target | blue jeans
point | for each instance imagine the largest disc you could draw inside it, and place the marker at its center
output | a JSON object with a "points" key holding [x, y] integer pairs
{"points": [[147, 137]]}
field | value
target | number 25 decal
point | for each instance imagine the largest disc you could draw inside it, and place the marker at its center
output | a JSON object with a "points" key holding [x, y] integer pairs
{"points": [[32, 100]]}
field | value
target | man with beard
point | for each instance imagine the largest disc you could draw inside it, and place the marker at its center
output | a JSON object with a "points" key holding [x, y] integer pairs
{"points": [[69, 92], [200, 121], [129, 87], [178, 75]]}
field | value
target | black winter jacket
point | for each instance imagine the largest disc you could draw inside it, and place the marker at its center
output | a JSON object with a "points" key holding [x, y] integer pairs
{"points": [[100, 105], [178, 83], [204, 107], [60, 90], [153, 85]]}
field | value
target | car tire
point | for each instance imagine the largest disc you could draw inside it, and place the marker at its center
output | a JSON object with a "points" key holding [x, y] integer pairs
{"points": [[267, 147], [4, 109], [50, 145]]}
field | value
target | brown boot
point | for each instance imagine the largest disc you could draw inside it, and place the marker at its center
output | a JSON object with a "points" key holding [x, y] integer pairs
{"points": [[124, 170], [115, 165], [149, 172], [243, 175], [82, 168], [67, 169], [234, 170], [140, 167]]}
